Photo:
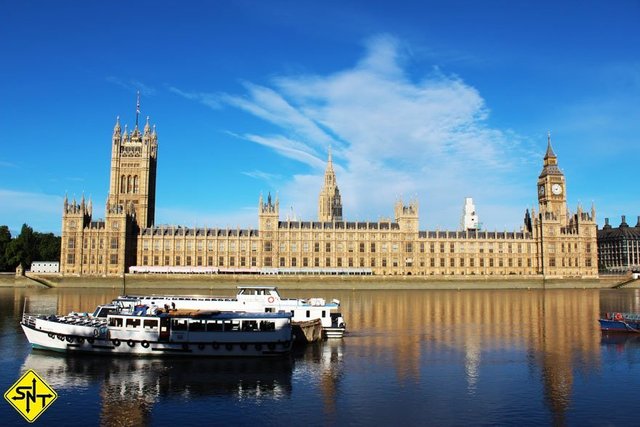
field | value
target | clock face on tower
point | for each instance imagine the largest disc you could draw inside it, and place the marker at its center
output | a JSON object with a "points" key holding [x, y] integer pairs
{"points": [[556, 189]]}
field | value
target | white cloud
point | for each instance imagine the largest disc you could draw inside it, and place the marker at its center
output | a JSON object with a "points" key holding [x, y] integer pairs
{"points": [[392, 136]]}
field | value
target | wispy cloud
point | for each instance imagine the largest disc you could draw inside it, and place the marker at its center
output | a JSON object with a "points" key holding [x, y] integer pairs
{"points": [[391, 136], [208, 99], [4, 164], [40, 211], [263, 176], [133, 85]]}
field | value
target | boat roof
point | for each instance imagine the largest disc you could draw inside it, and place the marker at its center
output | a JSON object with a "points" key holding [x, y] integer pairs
{"points": [[208, 314]]}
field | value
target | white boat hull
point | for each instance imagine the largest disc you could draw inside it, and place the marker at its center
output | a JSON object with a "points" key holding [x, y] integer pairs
{"points": [[55, 335]]}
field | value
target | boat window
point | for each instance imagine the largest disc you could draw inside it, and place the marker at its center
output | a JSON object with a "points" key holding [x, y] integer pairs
{"points": [[249, 325], [133, 323], [230, 325], [150, 324], [196, 326], [115, 321], [214, 326], [266, 326], [324, 313], [180, 324], [308, 313]]}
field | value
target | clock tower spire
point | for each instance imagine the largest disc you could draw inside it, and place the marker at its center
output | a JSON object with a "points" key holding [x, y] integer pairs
{"points": [[552, 197]]}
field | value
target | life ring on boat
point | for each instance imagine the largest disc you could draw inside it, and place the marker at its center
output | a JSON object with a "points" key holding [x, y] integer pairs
{"points": [[145, 344], [215, 345], [96, 332], [131, 343], [243, 345], [618, 316], [271, 300], [229, 347], [116, 343]]}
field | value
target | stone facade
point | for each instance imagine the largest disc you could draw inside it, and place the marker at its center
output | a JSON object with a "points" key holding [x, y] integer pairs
{"points": [[619, 248], [552, 243]]}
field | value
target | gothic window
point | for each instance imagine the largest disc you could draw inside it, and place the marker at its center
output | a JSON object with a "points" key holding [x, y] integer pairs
{"points": [[71, 259], [327, 262], [114, 243], [281, 261], [210, 260], [199, 261], [220, 261], [243, 261], [305, 262], [254, 261], [155, 260], [177, 260], [123, 184], [113, 259], [135, 184], [188, 260], [166, 260], [232, 261], [71, 243], [129, 184]]}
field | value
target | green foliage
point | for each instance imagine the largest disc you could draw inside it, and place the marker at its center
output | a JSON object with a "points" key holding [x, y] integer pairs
{"points": [[29, 246]]}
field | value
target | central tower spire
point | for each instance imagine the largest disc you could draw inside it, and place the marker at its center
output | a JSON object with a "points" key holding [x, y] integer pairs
{"points": [[330, 203]]}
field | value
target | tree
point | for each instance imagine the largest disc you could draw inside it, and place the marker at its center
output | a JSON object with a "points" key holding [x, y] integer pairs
{"points": [[5, 240], [48, 246]]}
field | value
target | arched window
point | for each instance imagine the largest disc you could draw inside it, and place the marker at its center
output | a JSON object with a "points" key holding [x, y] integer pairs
{"points": [[123, 182], [135, 184], [129, 184]]}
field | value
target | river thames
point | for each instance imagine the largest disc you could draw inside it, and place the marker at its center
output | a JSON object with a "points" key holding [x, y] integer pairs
{"points": [[414, 357]]}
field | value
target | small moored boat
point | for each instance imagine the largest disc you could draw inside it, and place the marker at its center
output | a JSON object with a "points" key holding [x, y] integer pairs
{"points": [[176, 332], [620, 322]]}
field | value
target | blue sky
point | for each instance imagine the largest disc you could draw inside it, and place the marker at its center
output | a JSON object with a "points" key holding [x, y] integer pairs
{"points": [[434, 101]]}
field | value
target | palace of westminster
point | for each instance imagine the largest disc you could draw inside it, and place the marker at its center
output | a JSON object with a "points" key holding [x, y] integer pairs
{"points": [[552, 243]]}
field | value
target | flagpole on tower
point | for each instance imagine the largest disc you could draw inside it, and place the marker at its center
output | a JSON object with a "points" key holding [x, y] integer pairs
{"points": [[137, 109]]}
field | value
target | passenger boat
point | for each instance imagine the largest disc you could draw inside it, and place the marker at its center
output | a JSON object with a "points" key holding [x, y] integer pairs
{"points": [[264, 299], [144, 332], [620, 322]]}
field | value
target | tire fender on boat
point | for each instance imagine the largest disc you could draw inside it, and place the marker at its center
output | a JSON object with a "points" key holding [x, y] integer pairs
{"points": [[145, 344], [131, 343], [215, 345], [116, 343], [96, 332]]}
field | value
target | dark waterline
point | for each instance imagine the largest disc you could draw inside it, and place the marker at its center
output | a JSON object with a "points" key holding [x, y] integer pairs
{"points": [[414, 357]]}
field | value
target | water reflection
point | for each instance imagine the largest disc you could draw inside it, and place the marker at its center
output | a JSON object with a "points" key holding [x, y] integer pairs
{"points": [[420, 344], [129, 387]]}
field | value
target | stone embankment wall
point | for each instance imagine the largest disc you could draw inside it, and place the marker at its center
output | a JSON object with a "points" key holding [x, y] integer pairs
{"points": [[176, 281]]}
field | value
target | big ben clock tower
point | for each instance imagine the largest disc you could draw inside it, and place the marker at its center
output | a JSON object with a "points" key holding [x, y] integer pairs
{"points": [[552, 195]]}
